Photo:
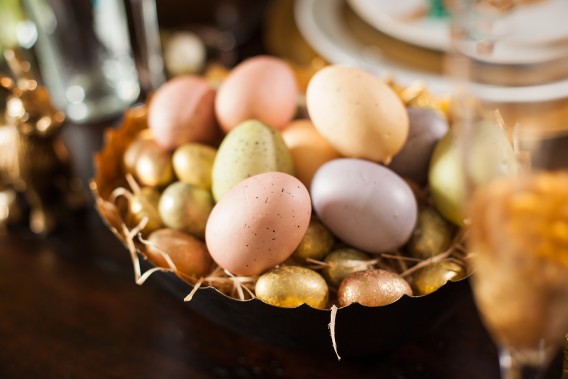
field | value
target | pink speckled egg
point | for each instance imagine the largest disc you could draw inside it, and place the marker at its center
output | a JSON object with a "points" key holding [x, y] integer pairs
{"points": [[182, 111], [258, 223], [262, 88]]}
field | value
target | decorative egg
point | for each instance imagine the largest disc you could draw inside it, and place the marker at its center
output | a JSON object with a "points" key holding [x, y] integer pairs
{"points": [[432, 234], [258, 223], [182, 111], [292, 286], [316, 243], [249, 149], [357, 113], [152, 164], [193, 163], [490, 155], [144, 205], [364, 204], [434, 275], [372, 288], [344, 261], [262, 88], [188, 253], [426, 127], [309, 149], [186, 207]]}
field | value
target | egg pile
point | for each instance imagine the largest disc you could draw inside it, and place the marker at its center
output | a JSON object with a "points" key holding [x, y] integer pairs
{"points": [[324, 204]]}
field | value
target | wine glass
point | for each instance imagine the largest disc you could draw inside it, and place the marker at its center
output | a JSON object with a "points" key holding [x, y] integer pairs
{"points": [[510, 66]]}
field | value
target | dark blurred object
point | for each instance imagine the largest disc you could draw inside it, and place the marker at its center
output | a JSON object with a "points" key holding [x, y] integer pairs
{"points": [[34, 161], [226, 27]]}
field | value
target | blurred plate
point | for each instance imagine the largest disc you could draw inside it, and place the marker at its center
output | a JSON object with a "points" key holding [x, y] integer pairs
{"points": [[341, 37], [407, 20]]}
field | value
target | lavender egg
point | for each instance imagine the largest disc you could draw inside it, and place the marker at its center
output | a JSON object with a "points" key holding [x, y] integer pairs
{"points": [[364, 204], [426, 127]]}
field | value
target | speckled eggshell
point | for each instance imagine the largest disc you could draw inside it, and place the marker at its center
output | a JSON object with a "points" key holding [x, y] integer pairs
{"points": [[251, 148], [426, 129], [258, 223], [309, 149], [182, 111], [263, 88], [364, 204], [359, 114]]}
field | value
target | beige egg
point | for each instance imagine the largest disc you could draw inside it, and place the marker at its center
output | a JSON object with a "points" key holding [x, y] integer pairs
{"points": [[292, 286], [258, 223], [309, 149], [262, 88], [357, 113], [144, 205], [189, 254]]}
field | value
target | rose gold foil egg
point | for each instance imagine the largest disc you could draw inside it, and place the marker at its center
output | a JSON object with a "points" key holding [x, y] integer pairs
{"points": [[372, 288], [189, 254]]}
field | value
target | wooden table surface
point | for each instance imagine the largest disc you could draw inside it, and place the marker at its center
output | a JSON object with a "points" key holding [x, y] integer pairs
{"points": [[69, 308]]}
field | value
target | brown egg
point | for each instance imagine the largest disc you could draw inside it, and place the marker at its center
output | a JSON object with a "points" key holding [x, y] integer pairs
{"points": [[189, 254], [292, 286], [309, 149], [433, 276], [344, 261], [372, 288], [186, 207], [316, 243]]}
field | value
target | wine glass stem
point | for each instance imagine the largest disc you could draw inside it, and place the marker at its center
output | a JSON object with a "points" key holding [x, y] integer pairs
{"points": [[511, 368]]}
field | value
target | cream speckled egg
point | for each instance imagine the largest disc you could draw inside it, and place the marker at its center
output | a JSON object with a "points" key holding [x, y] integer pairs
{"points": [[258, 223], [359, 114]]}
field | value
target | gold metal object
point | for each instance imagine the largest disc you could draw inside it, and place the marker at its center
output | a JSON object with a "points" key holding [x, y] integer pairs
{"points": [[34, 161]]}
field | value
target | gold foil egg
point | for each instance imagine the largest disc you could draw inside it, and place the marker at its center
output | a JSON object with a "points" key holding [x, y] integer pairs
{"points": [[316, 243], [144, 204], [186, 207], [372, 288], [344, 261], [292, 286], [153, 164], [432, 234], [433, 276], [193, 163]]}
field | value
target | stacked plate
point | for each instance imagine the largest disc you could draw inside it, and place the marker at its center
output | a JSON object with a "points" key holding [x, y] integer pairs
{"points": [[394, 39], [408, 39]]}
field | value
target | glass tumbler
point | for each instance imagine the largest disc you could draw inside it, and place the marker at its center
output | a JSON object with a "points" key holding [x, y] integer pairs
{"points": [[85, 57]]}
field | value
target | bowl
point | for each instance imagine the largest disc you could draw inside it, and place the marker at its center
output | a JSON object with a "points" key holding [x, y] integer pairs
{"points": [[355, 330]]}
